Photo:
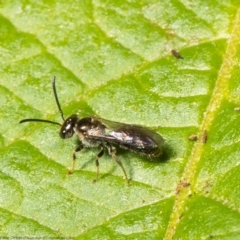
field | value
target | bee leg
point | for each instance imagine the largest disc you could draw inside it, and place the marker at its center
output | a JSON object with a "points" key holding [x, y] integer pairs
{"points": [[112, 152], [97, 163], [77, 149]]}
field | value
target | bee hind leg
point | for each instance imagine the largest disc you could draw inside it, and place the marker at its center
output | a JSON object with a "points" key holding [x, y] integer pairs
{"points": [[112, 152]]}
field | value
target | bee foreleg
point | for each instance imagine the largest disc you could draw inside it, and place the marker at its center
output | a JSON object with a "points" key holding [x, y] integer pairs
{"points": [[77, 149], [97, 162]]}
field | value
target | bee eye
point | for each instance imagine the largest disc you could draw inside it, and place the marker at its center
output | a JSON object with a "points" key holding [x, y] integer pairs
{"points": [[67, 132], [68, 126]]}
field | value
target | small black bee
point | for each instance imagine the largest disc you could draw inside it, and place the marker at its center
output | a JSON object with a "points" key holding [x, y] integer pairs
{"points": [[98, 132]]}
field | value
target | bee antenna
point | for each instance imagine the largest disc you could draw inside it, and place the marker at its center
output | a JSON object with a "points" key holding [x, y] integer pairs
{"points": [[38, 120], [56, 97]]}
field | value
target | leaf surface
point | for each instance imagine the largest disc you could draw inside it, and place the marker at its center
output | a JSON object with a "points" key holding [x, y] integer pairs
{"points": [[113, 59]]}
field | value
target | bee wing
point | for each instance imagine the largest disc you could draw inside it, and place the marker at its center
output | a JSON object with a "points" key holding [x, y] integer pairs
{"points": [[129, 135]]}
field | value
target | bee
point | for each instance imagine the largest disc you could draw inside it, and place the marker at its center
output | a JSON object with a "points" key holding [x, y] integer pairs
{"points": [[106, 135]]}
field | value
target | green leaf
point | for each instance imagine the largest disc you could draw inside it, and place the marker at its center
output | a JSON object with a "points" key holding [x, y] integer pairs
{"points": [[113, 59]]}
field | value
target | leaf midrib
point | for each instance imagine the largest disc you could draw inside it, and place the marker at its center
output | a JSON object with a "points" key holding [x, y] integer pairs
{"points": [[220, 92]]}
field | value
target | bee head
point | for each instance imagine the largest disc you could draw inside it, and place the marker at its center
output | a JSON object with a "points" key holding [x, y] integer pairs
{"points": [[67, 129]]}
